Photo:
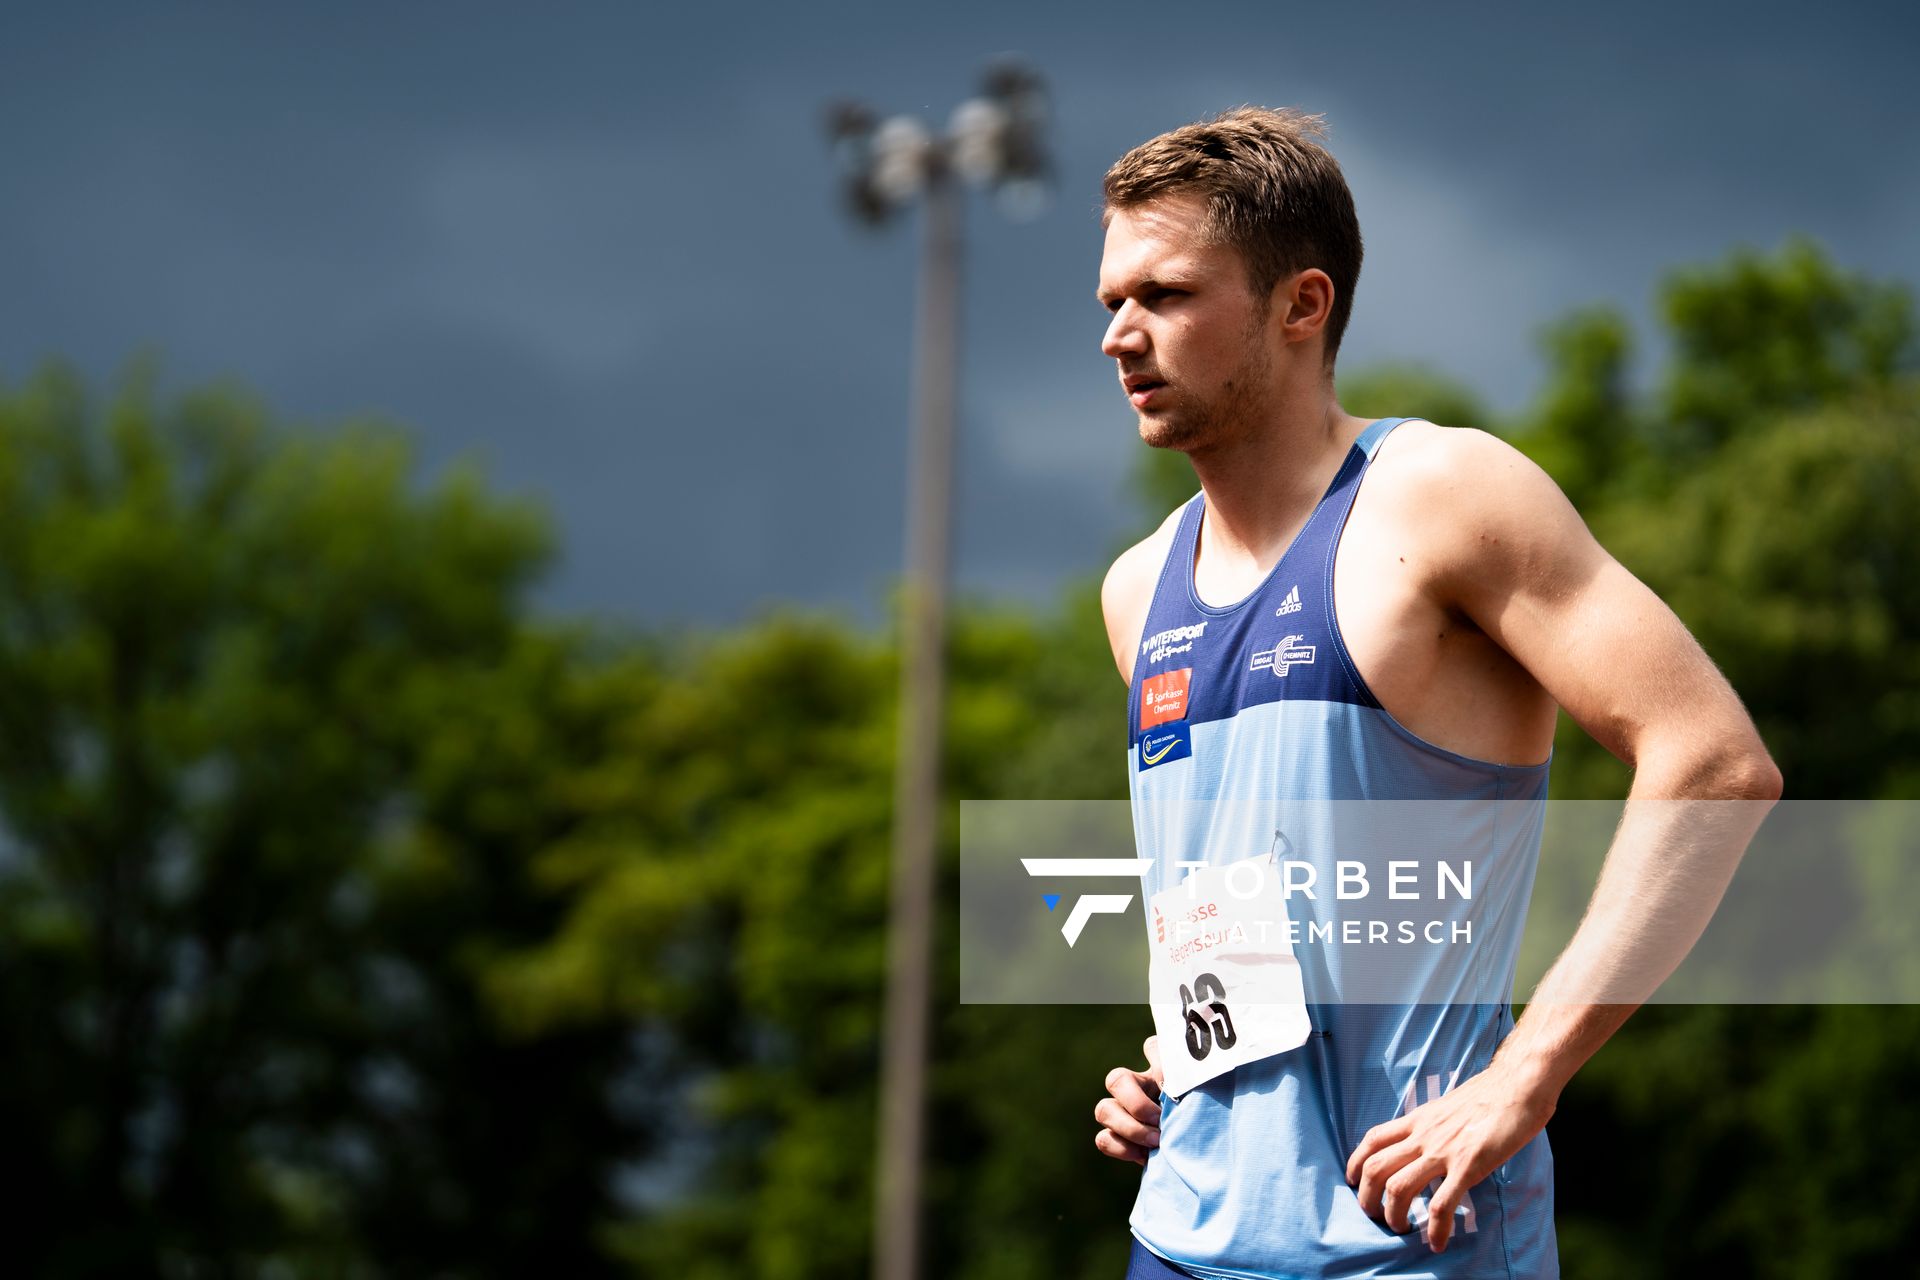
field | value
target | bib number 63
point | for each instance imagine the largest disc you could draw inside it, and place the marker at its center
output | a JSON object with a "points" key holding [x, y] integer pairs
{"points": [[1208, 997]]}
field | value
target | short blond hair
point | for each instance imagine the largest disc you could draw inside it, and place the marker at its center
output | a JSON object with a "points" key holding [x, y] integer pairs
{"points": [[1272, 192]]}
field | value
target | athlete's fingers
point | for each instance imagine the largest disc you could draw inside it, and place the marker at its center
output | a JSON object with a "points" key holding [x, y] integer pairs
{"points": [[1110, 1143], [1440, 1211], [1151, 1047], [1379, 1167], [1381, 1135], [1114, 1116], [1136, 1092], [1403, 1186]]}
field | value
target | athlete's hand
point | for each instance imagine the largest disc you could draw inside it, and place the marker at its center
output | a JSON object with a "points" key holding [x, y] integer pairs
{"points": [[1460, 1137], [1130, 1118]]}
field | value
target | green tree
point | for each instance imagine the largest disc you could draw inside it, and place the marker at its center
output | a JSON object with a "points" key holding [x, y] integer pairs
{"points": [[735, 906], [1584, 428], [1767, 492], [274, 746], [1756, 335]]}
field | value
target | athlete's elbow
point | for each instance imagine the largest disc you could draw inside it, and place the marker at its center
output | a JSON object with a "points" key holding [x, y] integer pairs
{"points": [[1738, 768], [1744, 772], [1763, 780]]}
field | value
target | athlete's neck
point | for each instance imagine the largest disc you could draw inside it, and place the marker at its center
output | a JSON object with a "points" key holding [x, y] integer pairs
{"points": [[1262, 485]]}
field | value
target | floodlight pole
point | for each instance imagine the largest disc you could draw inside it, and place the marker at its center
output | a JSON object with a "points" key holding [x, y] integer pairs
{"points": [[916, 832], [994, 139]]}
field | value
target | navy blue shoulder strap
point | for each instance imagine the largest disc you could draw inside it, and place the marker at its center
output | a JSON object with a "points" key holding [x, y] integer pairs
{"points": [[1179, 558], [1369, 440]]}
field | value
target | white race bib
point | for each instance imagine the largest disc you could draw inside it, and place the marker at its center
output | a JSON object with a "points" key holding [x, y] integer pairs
{"points": [[1223, 982]]}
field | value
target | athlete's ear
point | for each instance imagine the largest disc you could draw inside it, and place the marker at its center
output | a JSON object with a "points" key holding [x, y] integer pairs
{"points": [[1302, 303]]}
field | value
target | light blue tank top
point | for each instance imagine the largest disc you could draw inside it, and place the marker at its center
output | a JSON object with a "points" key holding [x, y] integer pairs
{"points": [[1251, 719]]}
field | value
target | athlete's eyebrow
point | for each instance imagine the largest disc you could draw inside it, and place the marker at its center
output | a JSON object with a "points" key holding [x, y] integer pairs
{"points": [[1103, 297]]}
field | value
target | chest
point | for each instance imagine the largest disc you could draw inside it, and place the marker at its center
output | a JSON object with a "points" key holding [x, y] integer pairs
{"points": [[1356, 579], [1355, 603]]}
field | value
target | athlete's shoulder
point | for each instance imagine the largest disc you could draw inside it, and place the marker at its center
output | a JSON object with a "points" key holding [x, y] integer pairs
{"points": [[1137, 568], [1422, 452], [1126, 594], [1472, 502]]}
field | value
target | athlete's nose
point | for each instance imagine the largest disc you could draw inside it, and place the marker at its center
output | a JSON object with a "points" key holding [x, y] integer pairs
{"points": [[1124, 336]]}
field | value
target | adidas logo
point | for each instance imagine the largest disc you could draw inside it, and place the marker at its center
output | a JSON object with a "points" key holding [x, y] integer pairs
{"points": [[1291, 604]]}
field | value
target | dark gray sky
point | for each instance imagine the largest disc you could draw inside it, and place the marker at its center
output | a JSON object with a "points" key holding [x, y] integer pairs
{"points": [[598, 245]]}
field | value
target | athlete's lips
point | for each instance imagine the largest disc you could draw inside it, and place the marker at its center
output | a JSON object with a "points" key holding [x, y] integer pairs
{"points": [[1141, 388]]}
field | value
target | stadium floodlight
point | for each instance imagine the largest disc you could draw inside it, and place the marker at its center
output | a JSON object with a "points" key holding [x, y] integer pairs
{"points": [[995, 140]]}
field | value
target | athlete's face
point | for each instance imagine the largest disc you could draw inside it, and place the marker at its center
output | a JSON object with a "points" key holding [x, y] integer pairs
{"points": [[1187, 333]]}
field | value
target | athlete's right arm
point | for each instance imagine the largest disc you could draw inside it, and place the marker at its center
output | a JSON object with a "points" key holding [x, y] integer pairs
{"points": [[1130, 1116]]}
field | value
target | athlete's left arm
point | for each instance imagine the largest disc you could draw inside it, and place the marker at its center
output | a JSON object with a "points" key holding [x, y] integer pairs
{"points": [[1502, 544]]}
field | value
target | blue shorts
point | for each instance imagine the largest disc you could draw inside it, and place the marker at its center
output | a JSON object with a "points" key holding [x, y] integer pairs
{"points": [[1145, 1264]]}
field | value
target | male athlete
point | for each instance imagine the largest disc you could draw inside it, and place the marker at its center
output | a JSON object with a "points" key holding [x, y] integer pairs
{"points": [[1355, 610]]}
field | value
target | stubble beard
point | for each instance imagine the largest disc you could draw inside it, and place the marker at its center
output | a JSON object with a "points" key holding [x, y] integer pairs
{"points": [[1238, 408]]}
